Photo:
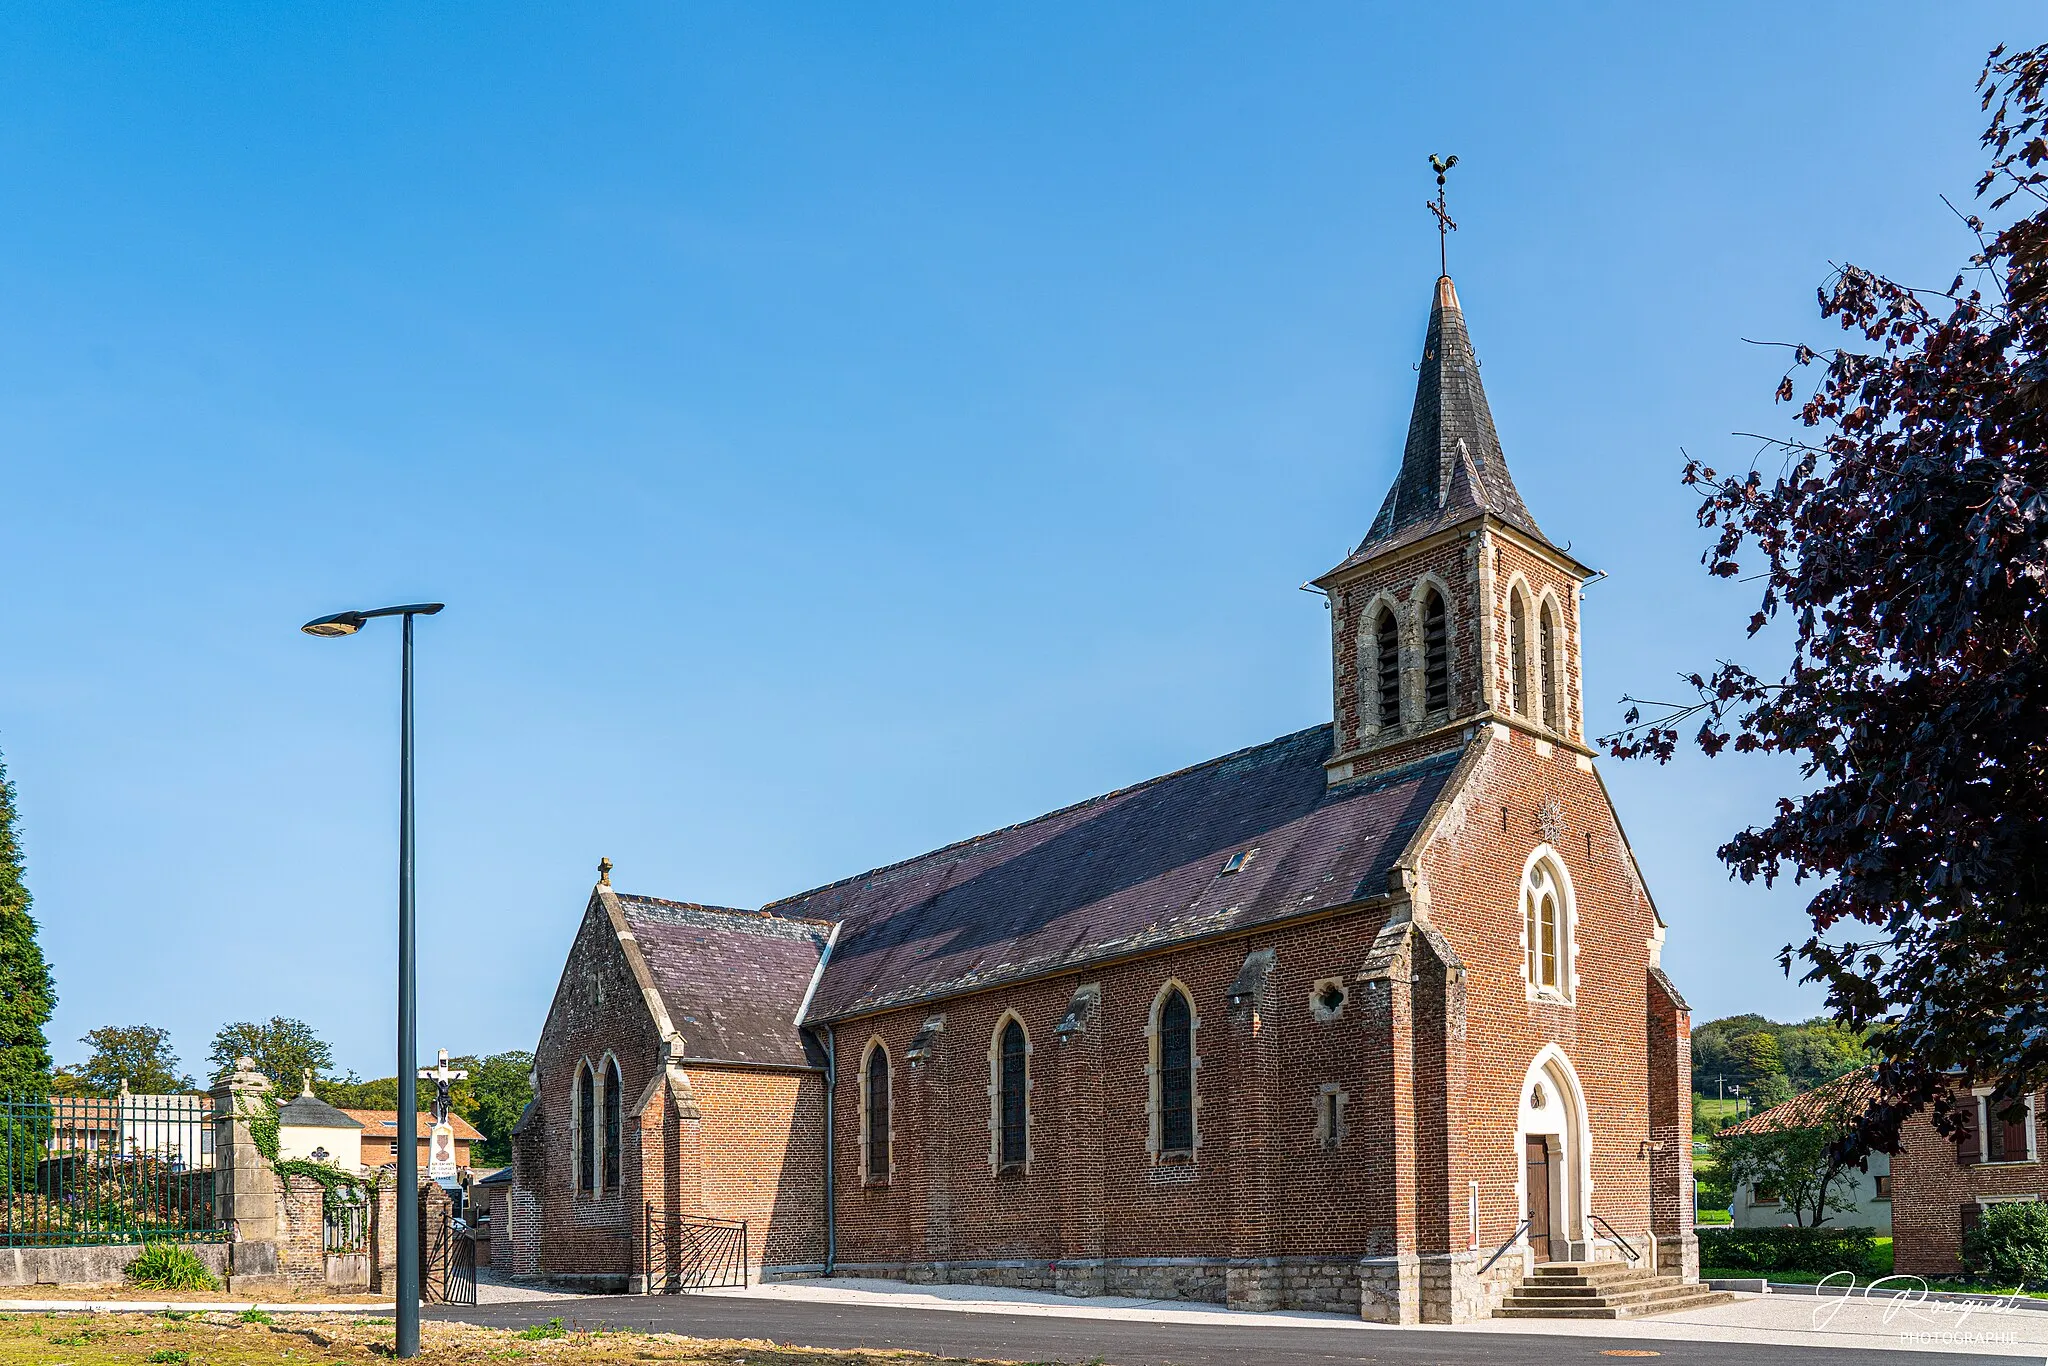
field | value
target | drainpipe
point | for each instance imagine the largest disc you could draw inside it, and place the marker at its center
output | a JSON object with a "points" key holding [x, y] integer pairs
{"points": [[831, 1099]]}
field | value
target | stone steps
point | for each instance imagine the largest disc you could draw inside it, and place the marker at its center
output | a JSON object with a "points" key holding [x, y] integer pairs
{"points": [[1604, 1290]]}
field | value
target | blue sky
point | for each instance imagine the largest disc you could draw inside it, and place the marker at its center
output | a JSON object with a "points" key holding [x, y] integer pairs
{"points": [[837, 430]]}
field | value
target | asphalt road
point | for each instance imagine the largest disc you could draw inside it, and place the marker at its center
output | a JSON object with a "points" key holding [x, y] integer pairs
{"points": [[1123, 1342]]}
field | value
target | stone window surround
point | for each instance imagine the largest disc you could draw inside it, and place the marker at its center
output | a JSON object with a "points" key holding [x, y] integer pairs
{"points": [[1321, 1012], [1411, 621], [1566, 993], [867, 1058], [579, 1131], [1325, 1138], [1983, 1095], [1541, 674], [995, 1097], [610, 1091], [1152, 1075]]}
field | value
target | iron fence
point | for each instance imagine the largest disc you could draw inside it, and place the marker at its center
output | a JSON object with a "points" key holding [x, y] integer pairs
{"points": [[80, 1170], [346, 1215], [693, 1252]]}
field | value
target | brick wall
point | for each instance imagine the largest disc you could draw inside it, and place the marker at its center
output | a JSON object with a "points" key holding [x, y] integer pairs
{"points": [[302, 1234], [1930, 1189], [1432, 1070], [597, 1013]]}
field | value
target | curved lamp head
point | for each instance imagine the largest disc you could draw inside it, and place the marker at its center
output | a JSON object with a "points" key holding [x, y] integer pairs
{"points": [[348, 623], [340, 624]]}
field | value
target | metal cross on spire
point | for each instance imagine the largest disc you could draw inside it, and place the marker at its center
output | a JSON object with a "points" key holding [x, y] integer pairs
{"points": [[1445, 225]]}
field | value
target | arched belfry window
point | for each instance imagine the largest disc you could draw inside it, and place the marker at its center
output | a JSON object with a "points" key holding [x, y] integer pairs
{"points": [[1386, 633], [1548, 638], [874, 1115], [1013, 1096], [1174, 1074], [585, 1117], [1546, 917], [1436, 653], [1518, 653], [614, 1123]]}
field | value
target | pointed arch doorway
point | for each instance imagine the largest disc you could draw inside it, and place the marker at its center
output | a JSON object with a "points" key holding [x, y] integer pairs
{"points": [[1553, 1141]]}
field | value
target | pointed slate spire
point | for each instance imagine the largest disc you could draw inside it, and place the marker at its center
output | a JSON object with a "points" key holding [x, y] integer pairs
{"points": [[1452, 469]]}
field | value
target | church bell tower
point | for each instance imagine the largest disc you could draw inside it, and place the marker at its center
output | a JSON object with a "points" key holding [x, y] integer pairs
{"points": [[1456, 610]]}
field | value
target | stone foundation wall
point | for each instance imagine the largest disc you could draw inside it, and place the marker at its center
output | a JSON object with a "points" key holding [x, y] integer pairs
{"points": [[20, 1266]]}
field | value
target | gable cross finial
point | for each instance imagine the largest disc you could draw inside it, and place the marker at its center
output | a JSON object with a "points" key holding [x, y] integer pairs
{"points": [[1445, 225], [604, 872]]}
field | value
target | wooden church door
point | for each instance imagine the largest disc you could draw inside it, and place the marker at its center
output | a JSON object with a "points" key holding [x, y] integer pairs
{"points": [[1538, 1174]]}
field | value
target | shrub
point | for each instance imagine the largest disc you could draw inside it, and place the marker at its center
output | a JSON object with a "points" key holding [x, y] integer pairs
{"points": [[2009, 1245], [552, 1328], [1790, 1249], [166, 1266]]}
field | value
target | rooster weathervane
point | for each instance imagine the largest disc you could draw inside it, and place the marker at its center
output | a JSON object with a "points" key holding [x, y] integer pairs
{"points": [[1445, 225]]}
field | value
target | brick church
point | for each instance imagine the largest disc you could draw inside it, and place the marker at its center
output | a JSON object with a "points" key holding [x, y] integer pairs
{"points": [[1323, 1023]]}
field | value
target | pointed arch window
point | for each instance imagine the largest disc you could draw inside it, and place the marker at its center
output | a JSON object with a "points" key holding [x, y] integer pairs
{"points": [[874, 1116], [1547, 639], [1518, 653], [1386, 634], [614, 1123], [1013, 1110], [1546, 920], [1174, 1077], [1436, 653], [585, 1116]]}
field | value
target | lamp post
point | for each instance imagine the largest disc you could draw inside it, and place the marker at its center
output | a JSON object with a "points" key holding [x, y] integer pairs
{"points": [[408, 1293]]}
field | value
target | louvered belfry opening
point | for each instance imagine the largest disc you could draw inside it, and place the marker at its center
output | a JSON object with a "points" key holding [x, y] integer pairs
{"points": [[1388, 643]]}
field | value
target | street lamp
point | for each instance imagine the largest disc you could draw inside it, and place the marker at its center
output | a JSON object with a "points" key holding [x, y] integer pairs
{"points": [[408, 1294]]}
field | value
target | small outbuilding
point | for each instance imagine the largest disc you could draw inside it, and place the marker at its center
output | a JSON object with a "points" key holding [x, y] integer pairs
{"points": [[309, 1127]]}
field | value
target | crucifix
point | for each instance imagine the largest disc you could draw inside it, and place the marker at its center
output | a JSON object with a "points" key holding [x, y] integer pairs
{"points": [[1444, 224], [441, 1075]]}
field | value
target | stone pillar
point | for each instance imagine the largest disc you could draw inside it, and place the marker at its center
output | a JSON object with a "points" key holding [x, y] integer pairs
{"points": [[244, 1182], [1670, 1138], [1389, 1289], [1076, 1108]]}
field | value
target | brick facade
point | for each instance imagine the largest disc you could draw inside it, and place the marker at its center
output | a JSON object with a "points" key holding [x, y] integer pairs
{"points": [[1936, 1179], [1374, 1063]]}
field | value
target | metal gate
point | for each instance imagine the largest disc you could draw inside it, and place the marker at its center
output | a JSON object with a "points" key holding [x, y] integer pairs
{"points": [[693, 1252], [447, 1260]]}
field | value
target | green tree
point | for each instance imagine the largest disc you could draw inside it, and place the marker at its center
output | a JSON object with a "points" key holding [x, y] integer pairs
{"points": [[491, 1097], [1805, 1164], [282, 1049], [140, 1055], [502, 1086], [27, 995]]}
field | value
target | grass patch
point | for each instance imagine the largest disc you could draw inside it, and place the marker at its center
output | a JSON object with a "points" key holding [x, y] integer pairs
{"points": [[225, 1338], [166, 1266]]}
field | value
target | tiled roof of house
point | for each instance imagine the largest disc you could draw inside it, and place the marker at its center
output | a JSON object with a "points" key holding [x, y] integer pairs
{"points": [[384, 1124], [1452, 468], [1133, 870], [1846, 1095], [732, 980]]}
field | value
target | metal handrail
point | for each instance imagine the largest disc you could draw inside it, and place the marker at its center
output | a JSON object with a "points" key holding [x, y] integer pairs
{"points": [[1501, 1251], [1627, 1246]]}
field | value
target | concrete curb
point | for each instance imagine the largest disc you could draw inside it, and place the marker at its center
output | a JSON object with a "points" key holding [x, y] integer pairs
{"points": [[176, 1307], [1986, 1299]]}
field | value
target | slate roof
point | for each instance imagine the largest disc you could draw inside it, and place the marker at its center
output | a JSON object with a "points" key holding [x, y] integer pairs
{"points": [[732, 980], [311, 1112], [1452, 469], [1132, 870]]}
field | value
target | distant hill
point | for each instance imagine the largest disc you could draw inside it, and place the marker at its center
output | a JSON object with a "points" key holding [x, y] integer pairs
{"points": [[1772, 1061]]}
